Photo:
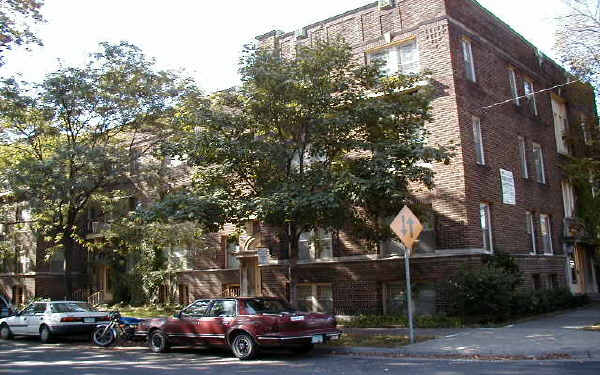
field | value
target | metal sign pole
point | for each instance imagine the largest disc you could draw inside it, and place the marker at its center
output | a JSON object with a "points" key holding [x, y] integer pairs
{"points": [[411, 328]]}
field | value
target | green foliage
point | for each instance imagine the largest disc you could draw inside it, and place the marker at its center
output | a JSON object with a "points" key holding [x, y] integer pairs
{"points": [[490, 294], [318, 141], [533, 302], [421, 321], [81, 133], [15, 17], [482, 295]]}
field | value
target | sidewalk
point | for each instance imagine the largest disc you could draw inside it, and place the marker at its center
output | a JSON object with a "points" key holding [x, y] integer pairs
{"points": [[557, 336]]}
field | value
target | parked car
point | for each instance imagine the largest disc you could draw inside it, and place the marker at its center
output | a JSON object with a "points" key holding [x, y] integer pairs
{"points": [[49, 319], [5, 307], [244, 325]]}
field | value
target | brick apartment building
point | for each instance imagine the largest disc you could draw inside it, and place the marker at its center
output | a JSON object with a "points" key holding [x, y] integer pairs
{"points": [[503, 190]]}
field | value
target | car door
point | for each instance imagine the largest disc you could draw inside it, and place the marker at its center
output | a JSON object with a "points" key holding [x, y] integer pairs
{"points": [[35, 320], [217, 321], [187, 328], [18, 323]]}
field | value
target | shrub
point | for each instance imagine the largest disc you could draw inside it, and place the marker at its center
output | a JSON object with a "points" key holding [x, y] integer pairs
{"points": [[482, 295]]}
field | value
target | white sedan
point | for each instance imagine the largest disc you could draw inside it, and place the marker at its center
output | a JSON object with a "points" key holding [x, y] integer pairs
{"points": [[48, 319]]}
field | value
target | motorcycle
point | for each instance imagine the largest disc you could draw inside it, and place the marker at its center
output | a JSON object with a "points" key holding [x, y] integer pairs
{"points": [[119, 328]]}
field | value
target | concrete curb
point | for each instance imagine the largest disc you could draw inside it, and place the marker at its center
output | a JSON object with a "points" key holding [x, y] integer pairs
{"points": [[407, 353]]}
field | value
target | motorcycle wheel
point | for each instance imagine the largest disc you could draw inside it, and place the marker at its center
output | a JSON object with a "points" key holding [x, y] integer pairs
{"points": [[104, 337]]}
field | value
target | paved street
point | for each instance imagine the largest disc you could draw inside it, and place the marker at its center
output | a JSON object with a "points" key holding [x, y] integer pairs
{"points": [[29, 357]]}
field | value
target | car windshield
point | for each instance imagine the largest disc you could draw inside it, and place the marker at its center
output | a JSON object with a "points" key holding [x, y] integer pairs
{"points": [[268, 306], [67, 307]]}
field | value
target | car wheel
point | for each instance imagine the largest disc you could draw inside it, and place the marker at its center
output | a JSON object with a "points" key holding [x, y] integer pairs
{"points": [[244, 347], [45, 334], [157, 342], [303, 349], [5, 332]]}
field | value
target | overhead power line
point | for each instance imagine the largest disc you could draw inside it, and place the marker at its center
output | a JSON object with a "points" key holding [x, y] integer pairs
{"points": [[526, 96]]}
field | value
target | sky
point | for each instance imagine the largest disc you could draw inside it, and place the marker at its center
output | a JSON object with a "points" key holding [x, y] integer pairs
{"points": [[205, 37]]}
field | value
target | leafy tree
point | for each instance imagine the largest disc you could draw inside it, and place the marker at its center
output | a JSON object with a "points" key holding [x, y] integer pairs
{"points": [[578, 43], [14, 28], [578, 39], [81, 132], [316, 142]]}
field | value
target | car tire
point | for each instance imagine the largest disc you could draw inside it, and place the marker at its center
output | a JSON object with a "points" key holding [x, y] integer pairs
{"points": [[157, 342], [244, 347], [303, 349], [5, 332], [45, 334]]}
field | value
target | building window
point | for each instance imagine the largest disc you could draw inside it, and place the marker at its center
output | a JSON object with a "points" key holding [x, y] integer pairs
{"points": [[184, 295], [586, 134], [546, 229], [232, 261], [568, 199], [394, 298], [523, 157], [468, 58], [486, 226], [538, 159], [554, 284], [231, 290], [480, 158], [316, 244], [559, 110], [530, 94], [315, 297], [530, 229], [512, 79], [573, 268], [57, 262], [537, 281], [402, 59]]}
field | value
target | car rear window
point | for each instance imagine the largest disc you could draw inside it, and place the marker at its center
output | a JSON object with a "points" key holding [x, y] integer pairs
{"points": [[67, 307], [268, 306]]}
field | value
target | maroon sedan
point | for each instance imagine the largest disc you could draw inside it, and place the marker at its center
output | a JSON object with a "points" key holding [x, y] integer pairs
{"points": [[243, 324]]}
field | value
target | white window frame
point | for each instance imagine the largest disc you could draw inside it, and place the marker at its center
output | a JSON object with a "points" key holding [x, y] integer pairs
{"points": [[561, 125], [230, 248], [486, 226], [393, 58], [586, 134], [468, 60], [308, 240], [478, 141], [530, 229], [523, 157], [529, 89], [546, 232], [538, 158], [568, 198], [313, 299], [512, 79]]}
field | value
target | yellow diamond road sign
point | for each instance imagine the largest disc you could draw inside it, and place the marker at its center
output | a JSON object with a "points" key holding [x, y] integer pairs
{"points": [[407, 227]]}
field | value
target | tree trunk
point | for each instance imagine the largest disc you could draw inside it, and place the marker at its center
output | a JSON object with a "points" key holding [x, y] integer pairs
{"points": [[293, 258], [68, 246]]}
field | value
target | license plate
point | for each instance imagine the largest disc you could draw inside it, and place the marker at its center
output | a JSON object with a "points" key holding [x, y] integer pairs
{"points": [[334, 337], [89, 320], [296, 318], [317, 339]]}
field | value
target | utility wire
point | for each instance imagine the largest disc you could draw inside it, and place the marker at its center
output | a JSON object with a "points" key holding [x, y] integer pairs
{"points": [[528, 95]]}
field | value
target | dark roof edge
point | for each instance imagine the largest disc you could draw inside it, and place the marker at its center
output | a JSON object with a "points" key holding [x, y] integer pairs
{"points": [[347, 13]]}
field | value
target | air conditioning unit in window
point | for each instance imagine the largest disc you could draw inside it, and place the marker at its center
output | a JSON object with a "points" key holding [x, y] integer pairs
{"points": [[301, 33], [386, 4]]}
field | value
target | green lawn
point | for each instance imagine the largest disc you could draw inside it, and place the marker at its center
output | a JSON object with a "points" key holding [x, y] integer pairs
{"points": [[380, 341], [142, 311]]}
